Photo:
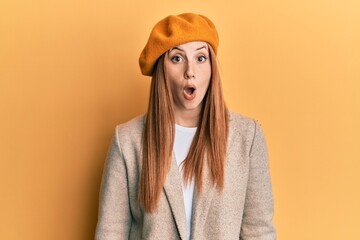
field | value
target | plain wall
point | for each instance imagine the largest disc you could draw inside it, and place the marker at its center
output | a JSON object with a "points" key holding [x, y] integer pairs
{"points": [[69, 74]]}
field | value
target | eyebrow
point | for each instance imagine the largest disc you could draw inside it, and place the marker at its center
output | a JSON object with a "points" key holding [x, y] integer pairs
{"points": [[182, 50], [201, 48]]}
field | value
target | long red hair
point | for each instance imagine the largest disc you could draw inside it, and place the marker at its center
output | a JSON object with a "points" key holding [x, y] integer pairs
{"points": [[210, 139]]}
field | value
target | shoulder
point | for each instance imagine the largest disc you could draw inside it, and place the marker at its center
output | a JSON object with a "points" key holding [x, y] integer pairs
{"points": [[240, 119], [130, 130], [243, 126], [241, 122], [132, 124]]}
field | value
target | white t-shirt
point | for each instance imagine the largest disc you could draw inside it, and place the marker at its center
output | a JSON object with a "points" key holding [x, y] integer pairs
{"points": [[183, 140]]}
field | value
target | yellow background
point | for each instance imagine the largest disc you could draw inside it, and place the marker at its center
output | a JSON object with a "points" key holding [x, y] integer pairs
{"points": [[69, 74]]}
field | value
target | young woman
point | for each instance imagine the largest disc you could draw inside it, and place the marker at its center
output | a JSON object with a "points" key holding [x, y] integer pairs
{"points": [[188, 168]]}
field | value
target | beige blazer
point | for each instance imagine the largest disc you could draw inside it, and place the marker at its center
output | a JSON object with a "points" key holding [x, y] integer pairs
{"points": [[244, 210]]}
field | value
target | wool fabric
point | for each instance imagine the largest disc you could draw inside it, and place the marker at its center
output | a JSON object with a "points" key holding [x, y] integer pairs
{"points": [[175, 30]]}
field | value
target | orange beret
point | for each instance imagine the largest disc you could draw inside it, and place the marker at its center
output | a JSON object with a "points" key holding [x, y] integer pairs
{"points": [[173, 31]]}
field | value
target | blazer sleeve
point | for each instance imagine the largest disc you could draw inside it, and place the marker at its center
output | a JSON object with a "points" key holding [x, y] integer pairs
{"points": [[259, 207], [114, 217]]}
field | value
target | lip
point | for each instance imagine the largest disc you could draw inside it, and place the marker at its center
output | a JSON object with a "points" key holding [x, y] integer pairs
{"points": [[188, 95]]}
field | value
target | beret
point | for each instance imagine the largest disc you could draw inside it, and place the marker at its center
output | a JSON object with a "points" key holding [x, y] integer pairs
{"points": [[175, 30]]}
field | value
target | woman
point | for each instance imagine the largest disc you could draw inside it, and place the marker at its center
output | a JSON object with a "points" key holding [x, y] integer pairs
{"points": [[189, 168]]}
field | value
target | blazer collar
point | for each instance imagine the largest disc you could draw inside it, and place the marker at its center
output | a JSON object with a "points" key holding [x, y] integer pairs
{"points": [[173, 192], [201, 201]]}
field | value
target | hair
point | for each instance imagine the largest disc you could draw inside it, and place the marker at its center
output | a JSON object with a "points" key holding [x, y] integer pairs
{"points": [[209, 143]]}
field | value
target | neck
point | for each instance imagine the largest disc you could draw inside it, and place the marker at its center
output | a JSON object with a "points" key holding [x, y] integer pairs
{"points": [[187, 118]]}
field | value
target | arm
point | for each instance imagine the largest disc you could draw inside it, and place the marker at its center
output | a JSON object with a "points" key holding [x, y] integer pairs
{"points": [[259, 207], [114, 218]]}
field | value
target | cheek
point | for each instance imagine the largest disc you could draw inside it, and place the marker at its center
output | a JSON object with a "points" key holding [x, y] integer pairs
{"points": [[206, 86], [173, 87], [207, 77], [174, 84], [169, 76], [173, 74]]}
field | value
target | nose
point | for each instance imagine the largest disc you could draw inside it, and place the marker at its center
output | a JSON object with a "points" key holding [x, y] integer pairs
{"points": [[189, 71]]}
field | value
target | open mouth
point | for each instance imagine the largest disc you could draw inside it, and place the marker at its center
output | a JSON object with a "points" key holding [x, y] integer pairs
{"points": [[189, 92]]}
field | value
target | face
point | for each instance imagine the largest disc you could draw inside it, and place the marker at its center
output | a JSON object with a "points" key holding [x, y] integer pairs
{"points": [[188, 69]]}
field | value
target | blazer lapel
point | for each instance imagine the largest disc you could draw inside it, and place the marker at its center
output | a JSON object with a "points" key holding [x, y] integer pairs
{"points": [[202, 202], [173, 192]]}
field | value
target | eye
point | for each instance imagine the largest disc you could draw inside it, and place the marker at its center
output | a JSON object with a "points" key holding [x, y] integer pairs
{"points": [[201, 59], [176, 59]]}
